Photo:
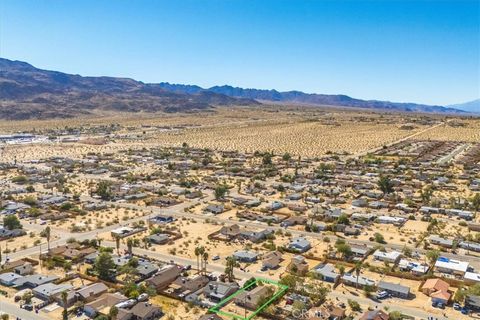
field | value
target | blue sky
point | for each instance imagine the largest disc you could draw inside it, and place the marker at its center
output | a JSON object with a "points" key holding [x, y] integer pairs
{"points": [[419, 51]]}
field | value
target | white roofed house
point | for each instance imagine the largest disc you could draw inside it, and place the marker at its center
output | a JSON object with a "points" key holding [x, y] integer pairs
{"points": [[451, 266], [398, 221], [414, 267], [392, 256], [352, 280], [471, 278]]}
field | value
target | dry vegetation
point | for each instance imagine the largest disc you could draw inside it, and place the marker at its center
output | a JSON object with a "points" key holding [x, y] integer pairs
{"points": [[470, 132], [298, 130]]}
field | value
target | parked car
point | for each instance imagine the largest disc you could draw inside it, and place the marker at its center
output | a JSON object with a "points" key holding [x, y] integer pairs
{"points": [[142, 297], [383, 295], [457, 306], [27, 307], [214, 258]]}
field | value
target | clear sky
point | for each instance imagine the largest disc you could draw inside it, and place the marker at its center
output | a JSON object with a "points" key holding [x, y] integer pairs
{"points": [[418, 51]]}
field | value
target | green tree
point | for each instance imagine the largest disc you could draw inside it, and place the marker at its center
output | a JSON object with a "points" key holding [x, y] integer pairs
{"points": [[432, 256], [475, 202], [286, 157], [11, 222], [113, 313], [426, 194], [117, 244], [197, 254], [105, 266], [385, 184], [64, 296], [379, 237], [395, 315], [130, 246], [104, 190], [205, 261], [344, 249], [343, 219], [267, 158], [354, 305], [220, 191], [47, 232], [358, 269], [230, 265]]}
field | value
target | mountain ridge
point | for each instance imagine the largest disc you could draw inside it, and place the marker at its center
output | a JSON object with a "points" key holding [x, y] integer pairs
{"points": [[296, 96], [29, 92], [469, 106]]}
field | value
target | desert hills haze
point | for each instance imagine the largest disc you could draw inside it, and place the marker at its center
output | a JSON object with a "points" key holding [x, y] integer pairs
{"points": [[27, 92]]}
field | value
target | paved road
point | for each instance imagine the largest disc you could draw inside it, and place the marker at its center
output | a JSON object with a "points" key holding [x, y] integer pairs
{"points": [[14, 310]]}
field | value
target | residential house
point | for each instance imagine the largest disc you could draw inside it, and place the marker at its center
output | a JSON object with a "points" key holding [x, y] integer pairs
{"points": [[451, 266], [217, 291], [298, 265], [391, 257], [299, 244], [141, 311], [470, 246], [471, 278], [146, 269], [245, 256], [437, 289], [103, 304], [394, 289], [472, 302], [416, 268], [250, 299], [328, 312], [375, 315], [215, 208], [271, 260], [164, 277], [439, 241], [8, 278], [326, 271], [48, 291], [352, 280], [91, 292], [33, 280], [183, 286], [158, 238]]}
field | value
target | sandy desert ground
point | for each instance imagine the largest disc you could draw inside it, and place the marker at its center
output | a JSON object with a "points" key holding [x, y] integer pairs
{"points": [[306, 132]]}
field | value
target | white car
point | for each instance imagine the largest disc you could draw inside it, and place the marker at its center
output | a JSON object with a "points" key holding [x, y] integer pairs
{"points": [[143, 297]]}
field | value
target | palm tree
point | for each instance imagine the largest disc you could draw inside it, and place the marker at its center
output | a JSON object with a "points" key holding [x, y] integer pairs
{"points": [[48, 232], [201, 251], [130, 246], [205, 260], [358, 268], [229, 267], [315, 212], [64, 296], [197, 254], [117, 243]]}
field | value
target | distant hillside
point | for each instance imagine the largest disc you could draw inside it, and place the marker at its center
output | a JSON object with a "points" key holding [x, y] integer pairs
{"points": [[471, 106], [312, 99], [27, 92]]}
